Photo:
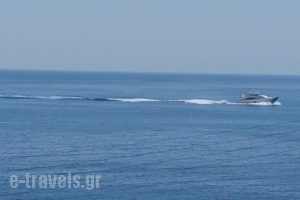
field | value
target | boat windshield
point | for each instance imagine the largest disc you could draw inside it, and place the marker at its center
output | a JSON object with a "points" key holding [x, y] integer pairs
{"points": [[253, 94]]}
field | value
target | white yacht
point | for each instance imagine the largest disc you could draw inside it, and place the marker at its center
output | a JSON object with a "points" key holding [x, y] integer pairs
{"points": [[255, 97]]}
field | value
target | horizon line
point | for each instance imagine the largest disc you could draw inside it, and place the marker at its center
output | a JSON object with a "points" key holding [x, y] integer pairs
{"points": [[146, 72]]}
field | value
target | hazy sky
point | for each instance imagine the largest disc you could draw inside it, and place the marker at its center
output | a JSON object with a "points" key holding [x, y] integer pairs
{"points": [[204, 36]]}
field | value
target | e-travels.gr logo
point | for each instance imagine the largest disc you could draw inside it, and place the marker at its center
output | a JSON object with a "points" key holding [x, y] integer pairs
{"points": [[32, 181]]}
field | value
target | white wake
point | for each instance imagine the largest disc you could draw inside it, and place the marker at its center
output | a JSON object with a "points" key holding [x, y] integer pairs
{"points": [[137, 100], [202, 101], [210, 102], [133, 100]]}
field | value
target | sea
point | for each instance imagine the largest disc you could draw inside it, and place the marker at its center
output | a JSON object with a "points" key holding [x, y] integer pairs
{"points": [[147, 136]]}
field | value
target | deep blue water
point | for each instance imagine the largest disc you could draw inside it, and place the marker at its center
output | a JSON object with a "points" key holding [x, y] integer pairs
{"points": [[150, 136]]}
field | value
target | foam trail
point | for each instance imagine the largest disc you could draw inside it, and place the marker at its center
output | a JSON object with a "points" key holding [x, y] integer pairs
{"points": [[133, 100], [39, 97], [14, 97], [204, 101], [137, 100], [211, 102], [58, 97]]}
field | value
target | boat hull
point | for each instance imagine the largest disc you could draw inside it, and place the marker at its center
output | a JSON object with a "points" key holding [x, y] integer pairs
{"points": [[260, 100]]}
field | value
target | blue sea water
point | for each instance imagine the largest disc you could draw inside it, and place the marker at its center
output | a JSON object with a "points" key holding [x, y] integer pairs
{"points": [[150, 136]]}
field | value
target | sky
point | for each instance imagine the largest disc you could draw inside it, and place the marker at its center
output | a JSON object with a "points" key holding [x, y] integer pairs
{"points": [[181, 36]]}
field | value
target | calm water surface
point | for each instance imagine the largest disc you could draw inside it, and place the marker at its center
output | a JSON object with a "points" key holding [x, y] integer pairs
{"points": [[150, 136]]}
